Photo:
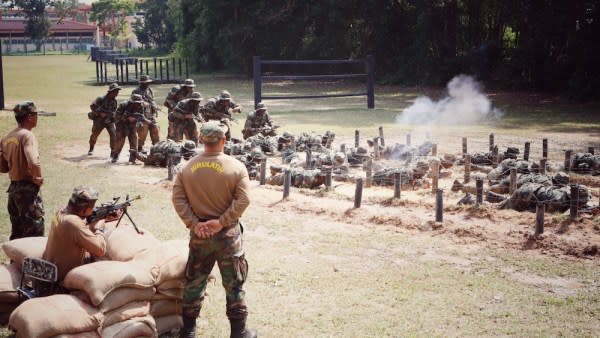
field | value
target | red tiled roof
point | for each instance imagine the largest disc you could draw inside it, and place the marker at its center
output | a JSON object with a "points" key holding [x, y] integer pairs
{"points": [[65, 26]]}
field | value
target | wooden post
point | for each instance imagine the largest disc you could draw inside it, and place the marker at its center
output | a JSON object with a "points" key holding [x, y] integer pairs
{"points": [[467, 168], [439, 205], [545, 148], [540, 209], [167, 68], [464, 146], [381, 136], [136, 69], [376, 147], [397, 184], [591, 150], [479, 190], [435, 172], [287, 181], [495, 157], [263, 171], [574, 200], [543, 166], [257, 73], [434, 149], [328, 179], [170, 168], [408, 140], [358, 193], [97, 72], [126, 71], [147, 69], [568, 160], [155, 70], [370, 65], [105, 72], [356, 138], [308, 164], [513, 181], [160, 63], [369, 181], [491, 141], [526, 151], [117, 70]]}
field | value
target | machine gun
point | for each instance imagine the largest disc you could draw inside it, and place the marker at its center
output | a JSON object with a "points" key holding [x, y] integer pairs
{"points": [[108, 209]]}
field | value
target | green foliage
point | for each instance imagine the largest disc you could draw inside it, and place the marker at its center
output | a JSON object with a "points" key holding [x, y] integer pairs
{"points": [[156, 28], [37, 26], [110, 16]]}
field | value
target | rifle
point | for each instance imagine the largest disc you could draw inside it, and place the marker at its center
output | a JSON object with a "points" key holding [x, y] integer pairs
{"points": [[107, 209]]}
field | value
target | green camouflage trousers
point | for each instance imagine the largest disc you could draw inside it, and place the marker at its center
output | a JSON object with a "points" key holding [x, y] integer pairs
{"points": [[26, 209], [142, 131], [97, 127], [181, 128], [225, 248]]}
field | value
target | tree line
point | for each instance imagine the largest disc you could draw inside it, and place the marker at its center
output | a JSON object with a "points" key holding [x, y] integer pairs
{"points": [[547, 45]]}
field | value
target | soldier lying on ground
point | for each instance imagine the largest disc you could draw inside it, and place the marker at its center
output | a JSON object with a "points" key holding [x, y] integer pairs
{"points": [[556, 198], [503, 169], [560, 179], [315, 142], [300, 178], [267, 144], [586, 163], [160, 152], [252, 160]]}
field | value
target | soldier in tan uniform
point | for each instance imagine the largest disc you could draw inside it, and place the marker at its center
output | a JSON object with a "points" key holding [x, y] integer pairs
{"points": [[210, 195], [20, 158], [71, 239], [148, 125], [177, 94]]}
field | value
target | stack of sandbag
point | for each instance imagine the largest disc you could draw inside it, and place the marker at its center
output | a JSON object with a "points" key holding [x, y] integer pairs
{"points": [[10, 274], [55, 315], [10, 278], [170, 258], [121, 291]]}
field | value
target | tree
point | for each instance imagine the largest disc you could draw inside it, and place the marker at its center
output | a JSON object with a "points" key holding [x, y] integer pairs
{"points": [[111, 15], [156, 28], [64, 8], [37, 26]]}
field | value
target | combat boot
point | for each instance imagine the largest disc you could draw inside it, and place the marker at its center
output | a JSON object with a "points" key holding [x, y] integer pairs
{"points": [[189, 327], [91, 151], [132, 154], [239, 330]]}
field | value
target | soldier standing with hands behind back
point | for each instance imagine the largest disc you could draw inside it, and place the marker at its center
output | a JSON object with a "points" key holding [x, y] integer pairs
{"points": [[103, 111], [210, 195], [20, 158]]}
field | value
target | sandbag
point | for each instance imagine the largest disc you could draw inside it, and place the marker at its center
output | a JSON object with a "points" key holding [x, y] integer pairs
{"points": [[100, 278], [17, 249], [127, 311], [131, 328], [10, 279], [173, 288], [165, 307], [124, 243], [53, 315], [168, 323], [122, 296], [170, 257], [90, 334]]}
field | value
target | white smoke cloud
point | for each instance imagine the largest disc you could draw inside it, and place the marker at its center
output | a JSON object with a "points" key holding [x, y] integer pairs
{"points": [[464, 105]]}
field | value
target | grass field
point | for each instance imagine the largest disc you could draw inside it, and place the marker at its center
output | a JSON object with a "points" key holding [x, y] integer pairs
{"points": [[313, 275]]}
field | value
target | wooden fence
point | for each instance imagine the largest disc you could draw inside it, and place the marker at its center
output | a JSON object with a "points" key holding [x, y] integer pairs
{"points": [[368, 75], [127, 70]]}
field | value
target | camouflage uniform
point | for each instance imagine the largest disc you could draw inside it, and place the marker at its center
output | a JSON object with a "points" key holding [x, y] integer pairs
{"points": [[19, 157], [267, 144], [103, 110], [556, 198], [150, 112], [177, 94], [300, 178], [127, 116], [259, 122], [184, 117], [160, 152], [586, 163], [220, 108]]}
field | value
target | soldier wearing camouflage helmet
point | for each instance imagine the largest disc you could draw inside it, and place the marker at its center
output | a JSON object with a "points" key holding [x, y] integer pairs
{"points": [[210, 194], [128, 114], [102, 114], [160, 153], [177, 94], [221, 108], [71, 237], [184, 116], [19, 157], [259, 122]]}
